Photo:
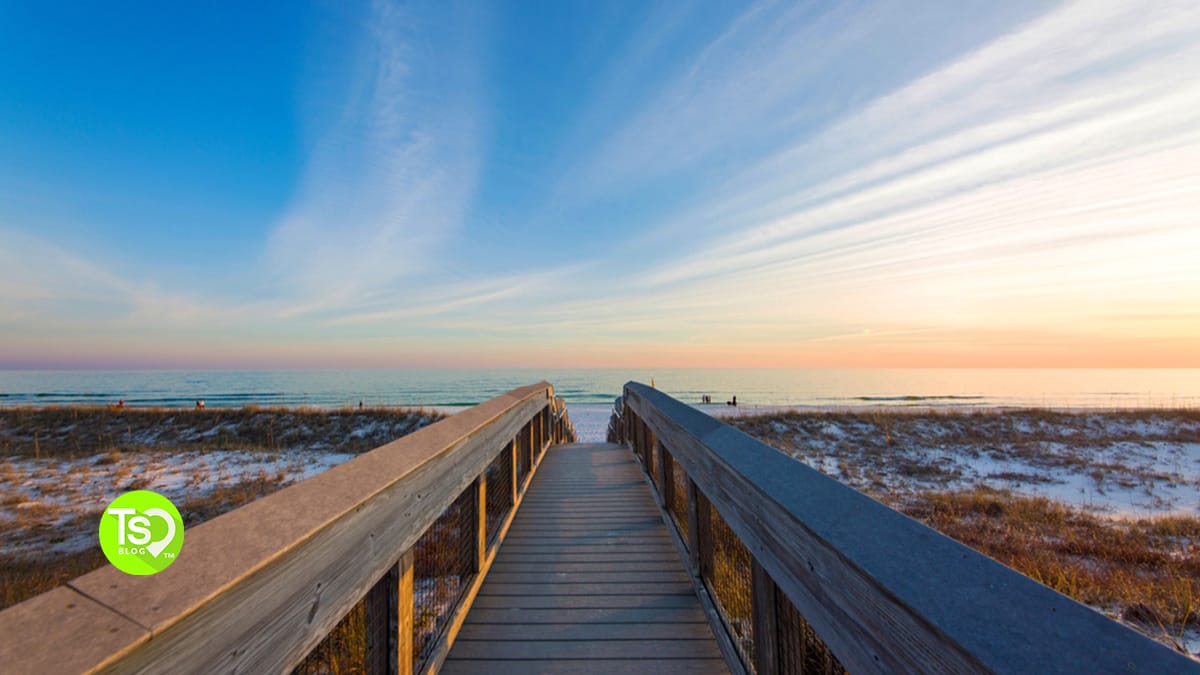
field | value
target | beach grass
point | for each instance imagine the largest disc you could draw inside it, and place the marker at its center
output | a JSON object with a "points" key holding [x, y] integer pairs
{"points": [[118, 444], [73, 431], [1048, 493]]}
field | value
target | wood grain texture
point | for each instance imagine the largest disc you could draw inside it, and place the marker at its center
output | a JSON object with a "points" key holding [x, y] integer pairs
{"points": [[255, 589], [562, 592], [62, 631], [886, 593], [617, 666]]}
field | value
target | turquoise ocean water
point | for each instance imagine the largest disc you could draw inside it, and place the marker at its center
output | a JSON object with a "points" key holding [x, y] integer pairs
{"points": [[837, 388]]}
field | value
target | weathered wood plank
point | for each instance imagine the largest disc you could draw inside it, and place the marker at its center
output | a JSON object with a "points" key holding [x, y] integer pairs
{"points": [[406, 605], [577, 631], [609, 566], [500, 650], [603, 549], [479, 513], [606, 529], [566, 588], [556, 575], [62, 631], [633, 601], [886, 593], [255, 589], [586, 667], [599, 538], [609, 554], [571, 588], [589, 616]]}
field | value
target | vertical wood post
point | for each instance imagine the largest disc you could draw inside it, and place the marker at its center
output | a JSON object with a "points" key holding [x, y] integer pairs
{"points": [[389, 606], [648, 448], [627, 418], [527, 434], [512, 466], [699, 532], [543, 428], [536, 423], [666, 476], [383, 624], [480, 521], [762, 609], [405, 637]]}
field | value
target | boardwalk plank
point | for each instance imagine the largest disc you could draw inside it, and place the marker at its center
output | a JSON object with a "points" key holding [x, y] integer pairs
{"points": [[579, 631], [590, 616], [586, 667], [555, 575], [500, 650], [588, 580]]}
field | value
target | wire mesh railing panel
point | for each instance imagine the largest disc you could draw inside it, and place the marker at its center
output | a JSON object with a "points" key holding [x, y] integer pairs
{"points": [[499, 491], [343, 651], [443, 562], [799, 648], [731, 584], [678, 506], [522, 456]]}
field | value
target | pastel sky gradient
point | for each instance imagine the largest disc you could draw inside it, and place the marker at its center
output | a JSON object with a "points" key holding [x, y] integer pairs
{"points": [[344, 184]]}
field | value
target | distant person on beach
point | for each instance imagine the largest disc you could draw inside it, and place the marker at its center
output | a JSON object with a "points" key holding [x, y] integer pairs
{"points": [[733, 402], [200, 404], [360, 405]]}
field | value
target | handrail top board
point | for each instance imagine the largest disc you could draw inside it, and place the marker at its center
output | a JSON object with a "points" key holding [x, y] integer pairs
{"points": [[895, 584], [101, 616]]}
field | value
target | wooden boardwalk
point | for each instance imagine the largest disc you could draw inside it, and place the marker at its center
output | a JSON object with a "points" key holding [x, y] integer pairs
{"points": [[587, 581]]}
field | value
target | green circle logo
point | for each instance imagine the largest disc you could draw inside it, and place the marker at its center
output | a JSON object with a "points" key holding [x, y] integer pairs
{"points": [[141, 532]]}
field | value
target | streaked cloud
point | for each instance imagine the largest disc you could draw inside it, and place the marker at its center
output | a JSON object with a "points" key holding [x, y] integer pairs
{"points": [[387, 184], [788, 184]]}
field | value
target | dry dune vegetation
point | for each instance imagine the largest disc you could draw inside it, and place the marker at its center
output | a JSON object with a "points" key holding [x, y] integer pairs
{"points": [[59, 467], [1101, 506]]}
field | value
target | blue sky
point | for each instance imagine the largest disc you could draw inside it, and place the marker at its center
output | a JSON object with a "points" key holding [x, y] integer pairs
{"points": [[599, 183]]}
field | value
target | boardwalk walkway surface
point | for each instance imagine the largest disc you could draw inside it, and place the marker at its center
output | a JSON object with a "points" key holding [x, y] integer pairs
{"points": [[588, 580]]}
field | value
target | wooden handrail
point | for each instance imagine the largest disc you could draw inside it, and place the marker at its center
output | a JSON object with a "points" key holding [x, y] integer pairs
{"points": [[884, 592], [255, 589]]}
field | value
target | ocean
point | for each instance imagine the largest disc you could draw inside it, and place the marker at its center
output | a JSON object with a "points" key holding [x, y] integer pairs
{"points": [[826, 388]]}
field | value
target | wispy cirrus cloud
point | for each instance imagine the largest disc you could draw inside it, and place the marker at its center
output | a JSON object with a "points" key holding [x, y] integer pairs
{"points": [[1041, 179], [387, 183]]}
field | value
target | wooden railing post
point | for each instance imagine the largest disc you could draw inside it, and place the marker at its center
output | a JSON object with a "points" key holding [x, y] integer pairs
{"points": [[383, 624], [479, 503], [762, 609], [389, 608], [699, 532], [666, 476], [404, 639], [513, 467], [529, 445], [648, 447]]}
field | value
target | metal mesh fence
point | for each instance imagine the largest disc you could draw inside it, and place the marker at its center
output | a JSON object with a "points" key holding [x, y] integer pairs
{"points": [[800, 649], [499, 491], [443, 562], [731, 584], [650, 445], [678, 505], [522, 455], [343, 651]]}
